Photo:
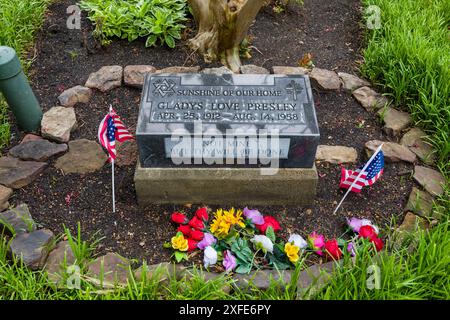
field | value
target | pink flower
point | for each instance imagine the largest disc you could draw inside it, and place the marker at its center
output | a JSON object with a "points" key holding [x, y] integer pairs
{"points": [[229, 261], [254, 215], [208, 240], [317, 242]]}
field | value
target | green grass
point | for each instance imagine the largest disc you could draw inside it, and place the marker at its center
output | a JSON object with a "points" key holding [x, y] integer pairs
{"points": [[19, 21], [409, 58]]}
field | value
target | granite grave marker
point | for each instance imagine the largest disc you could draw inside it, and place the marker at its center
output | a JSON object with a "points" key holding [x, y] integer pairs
{"points": [[220, 116], [232, 106]]}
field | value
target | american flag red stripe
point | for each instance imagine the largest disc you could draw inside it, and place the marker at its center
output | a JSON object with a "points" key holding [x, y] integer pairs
{"points": [[122, 133], [349, 176], [368, 177], [111, 128]]}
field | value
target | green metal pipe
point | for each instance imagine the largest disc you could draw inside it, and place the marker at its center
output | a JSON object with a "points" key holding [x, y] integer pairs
{"points": [[17, 91]]}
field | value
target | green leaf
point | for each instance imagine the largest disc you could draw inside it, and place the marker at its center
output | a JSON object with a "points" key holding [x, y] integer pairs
{"points": [[117, 33], [170, 41], [246, 268], [151, 41], [179, 256], [242, 250], [276, 263], [167, 245], [175, 34], [270, 233], [342, 243]]}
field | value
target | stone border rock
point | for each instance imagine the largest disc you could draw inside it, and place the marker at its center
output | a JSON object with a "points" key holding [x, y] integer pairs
{"points": [[33, 246]]}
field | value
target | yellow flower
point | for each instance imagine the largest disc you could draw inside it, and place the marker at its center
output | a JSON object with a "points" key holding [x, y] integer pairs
{"points": [[224, 220], [180, 243], [291, 251]]}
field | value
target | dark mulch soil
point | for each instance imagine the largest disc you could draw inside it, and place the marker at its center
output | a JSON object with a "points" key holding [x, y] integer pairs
{"points": [[64, 58]]}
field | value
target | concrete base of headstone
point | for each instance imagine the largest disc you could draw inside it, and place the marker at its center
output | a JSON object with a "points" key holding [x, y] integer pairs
{"points": [[225, 186]]}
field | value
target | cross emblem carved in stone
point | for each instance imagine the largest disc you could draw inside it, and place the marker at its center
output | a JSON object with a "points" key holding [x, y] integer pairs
{"points": [[294, 88]]}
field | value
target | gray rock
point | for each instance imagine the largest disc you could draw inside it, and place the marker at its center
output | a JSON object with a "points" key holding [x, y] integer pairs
{"points": [[84, 156], [262, 280], [15, 173], [58, 260], [57, 123], [17, 220], [420, 202], [313, 279], [32, 248], [393, 152], [394, 121], [134, 75], [336, 154], [109, 271], [105, 79], [72, 96], [351, 82], [289, 70], [37, 150], [412, 223], [5, 194], [162, 271], [430, 179], [209, 276], [252, 69], [177, 69], [30, 137], [414, 139], [325, 79], [370, 99], [310, 281], [221, 70]]}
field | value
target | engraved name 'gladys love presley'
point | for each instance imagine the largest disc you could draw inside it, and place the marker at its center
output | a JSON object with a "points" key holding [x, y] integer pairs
{"points": [[228, 111], [267, 104]]}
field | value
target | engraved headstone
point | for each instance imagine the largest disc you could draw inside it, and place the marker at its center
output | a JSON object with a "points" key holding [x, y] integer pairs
{"points": [[234, 120]]}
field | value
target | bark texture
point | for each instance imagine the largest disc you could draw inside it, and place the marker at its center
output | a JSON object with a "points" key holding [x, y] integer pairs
{"points": [[222, 25]]}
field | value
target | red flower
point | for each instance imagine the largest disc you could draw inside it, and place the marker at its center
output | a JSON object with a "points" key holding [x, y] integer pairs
{"points": [[196, 223], [367, 232], [179, 218], [378, 243], [192, 244], [332, 249], [197, 235], [269, 221], [185, 229], [202, 213]]}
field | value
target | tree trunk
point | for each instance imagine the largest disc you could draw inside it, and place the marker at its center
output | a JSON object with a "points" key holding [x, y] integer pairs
{"points": [[222, 25]]}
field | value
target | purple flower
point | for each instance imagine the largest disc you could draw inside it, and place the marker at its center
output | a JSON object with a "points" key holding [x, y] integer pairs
{"points": [[208, 240], [254, 216], [351, 249], [355, 224], [229, 261]]}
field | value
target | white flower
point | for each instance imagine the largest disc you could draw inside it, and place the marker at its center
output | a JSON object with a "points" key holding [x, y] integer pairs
{"points": [[366, 222], [298, 240], [265, 242], [210, 257]]}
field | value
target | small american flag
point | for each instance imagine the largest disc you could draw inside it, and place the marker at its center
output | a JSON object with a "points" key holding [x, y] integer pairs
{"points": [[368, 177], [111, 129]]}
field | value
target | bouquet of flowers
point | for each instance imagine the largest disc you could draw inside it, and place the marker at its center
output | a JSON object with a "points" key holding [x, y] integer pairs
{"points": [[243, 240]]}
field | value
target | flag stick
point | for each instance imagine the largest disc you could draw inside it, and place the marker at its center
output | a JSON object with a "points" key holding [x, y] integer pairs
{"points": [[357, 178], [113, 191]]}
